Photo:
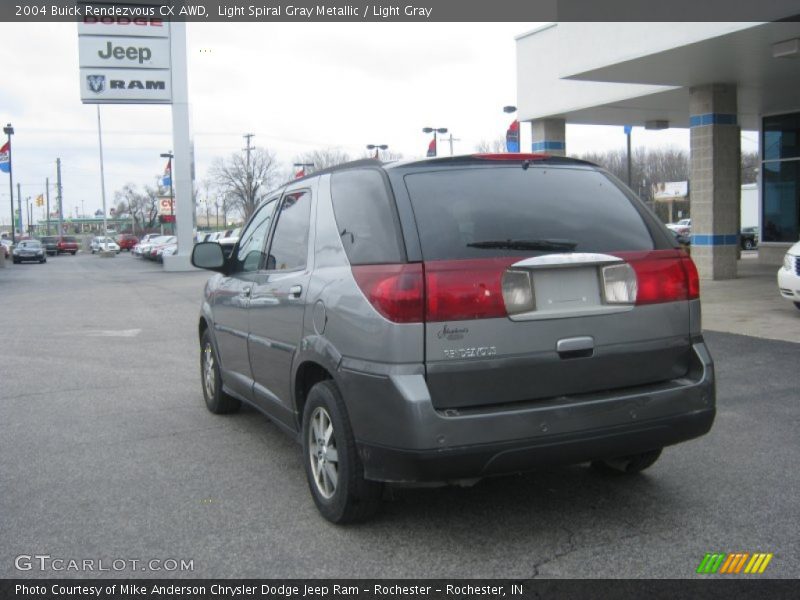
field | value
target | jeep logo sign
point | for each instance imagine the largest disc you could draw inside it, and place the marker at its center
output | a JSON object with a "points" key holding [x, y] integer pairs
{"points": [[141, 54], [124, 52]]}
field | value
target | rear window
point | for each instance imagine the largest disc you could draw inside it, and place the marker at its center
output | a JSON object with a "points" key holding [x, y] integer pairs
{"points": [[579, 210], [365, 217]]}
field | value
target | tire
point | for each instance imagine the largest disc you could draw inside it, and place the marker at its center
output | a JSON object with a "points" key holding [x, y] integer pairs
{"points": [[748, 244], [74, 253], [797, 305], [627, 465], [333, 469], [44, 260], [217, 401]]}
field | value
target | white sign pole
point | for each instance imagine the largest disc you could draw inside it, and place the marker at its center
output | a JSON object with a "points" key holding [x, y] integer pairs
{"points": [[102, 175], [182, 168]]}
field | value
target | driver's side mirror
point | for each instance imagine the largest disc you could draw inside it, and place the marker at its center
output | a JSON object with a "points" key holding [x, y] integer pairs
{"points": [[208, 255]]}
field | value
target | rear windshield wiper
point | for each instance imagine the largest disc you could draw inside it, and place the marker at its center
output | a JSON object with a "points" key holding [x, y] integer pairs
{"points": [[554, 245]]}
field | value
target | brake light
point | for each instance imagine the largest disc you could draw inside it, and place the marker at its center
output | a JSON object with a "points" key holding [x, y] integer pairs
{"points": [[395, 291], [664, 276], [512, 156], [465, 289]]}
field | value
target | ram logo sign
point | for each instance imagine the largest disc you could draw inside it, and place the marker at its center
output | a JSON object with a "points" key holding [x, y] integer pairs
{"points": [[738, 563], [125, 86]]}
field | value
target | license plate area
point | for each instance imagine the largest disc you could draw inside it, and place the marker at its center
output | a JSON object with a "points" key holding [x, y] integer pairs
{"points": [[574, 289], [566, 285]]}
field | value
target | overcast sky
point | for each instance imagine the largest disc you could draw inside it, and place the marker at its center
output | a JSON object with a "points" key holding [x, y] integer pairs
{"points": [[296, 86]]}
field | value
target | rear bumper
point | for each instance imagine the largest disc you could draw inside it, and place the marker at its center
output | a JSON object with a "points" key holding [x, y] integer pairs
{"points": [[402, 438], [393, 464]]}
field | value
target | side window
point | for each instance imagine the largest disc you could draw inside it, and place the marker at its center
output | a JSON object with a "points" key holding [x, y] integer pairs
{"points": [[290, 240], [365, 218], [251, 244]]}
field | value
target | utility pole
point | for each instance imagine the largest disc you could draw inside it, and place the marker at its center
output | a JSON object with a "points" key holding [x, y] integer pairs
{"points": [[19, 207], [58, 196], [451, 139], [47, 193], [248, 137]]}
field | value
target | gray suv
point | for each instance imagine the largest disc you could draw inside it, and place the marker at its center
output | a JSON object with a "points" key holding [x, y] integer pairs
{"points": [[449, 319]]}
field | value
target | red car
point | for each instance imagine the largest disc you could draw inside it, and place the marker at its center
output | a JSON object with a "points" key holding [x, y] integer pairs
{"points": [[67, 244], [127, 241]]}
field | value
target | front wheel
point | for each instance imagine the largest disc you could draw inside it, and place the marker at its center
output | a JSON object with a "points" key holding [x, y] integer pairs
{"points": [[217, 401], [797, 304], [333, 469], [627, 465]]}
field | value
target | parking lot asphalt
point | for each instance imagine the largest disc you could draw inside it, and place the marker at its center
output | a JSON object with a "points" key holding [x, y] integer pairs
{"points": [[107, 452]]}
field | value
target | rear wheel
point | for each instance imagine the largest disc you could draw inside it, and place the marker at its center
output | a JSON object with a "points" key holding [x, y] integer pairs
{"points": [[74, 252], [333, 469], [627, 465], [797, 304], [217, 401], [749, 244]]}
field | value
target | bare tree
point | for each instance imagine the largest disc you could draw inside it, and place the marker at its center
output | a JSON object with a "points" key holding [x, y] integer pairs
{"points": [[750, 165], [384, 155], [495, 146], [242, 185], [142, 206], [322, 159]]}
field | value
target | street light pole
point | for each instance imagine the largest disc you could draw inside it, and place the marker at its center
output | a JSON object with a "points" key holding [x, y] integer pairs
{"points": [[436, 130], [9, 131], [302, 167], [377, 148]]}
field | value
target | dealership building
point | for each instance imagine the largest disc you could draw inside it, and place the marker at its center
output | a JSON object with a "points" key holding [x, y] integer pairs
{"points": [[713, 78]]}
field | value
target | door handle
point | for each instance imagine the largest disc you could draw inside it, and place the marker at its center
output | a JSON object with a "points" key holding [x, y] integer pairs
{"points": [[295, 291]]}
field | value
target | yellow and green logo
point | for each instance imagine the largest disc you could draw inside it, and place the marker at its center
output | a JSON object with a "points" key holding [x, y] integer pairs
{"points": [[736, 563]]}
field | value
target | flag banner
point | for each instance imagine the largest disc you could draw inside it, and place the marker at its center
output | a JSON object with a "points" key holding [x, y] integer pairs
{"points": [[166, 180], [432, 148], [40, 200], [512, 137], [5, 155]]}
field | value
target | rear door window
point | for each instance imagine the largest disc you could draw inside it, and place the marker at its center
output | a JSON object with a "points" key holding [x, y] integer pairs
{"points": [[365, 217], [480, 212]]}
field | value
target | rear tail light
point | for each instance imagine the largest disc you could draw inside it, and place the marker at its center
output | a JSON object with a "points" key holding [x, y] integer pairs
{"points": [[518, 292], [620, 285], [465, 289], [665, 277], [395, 291]]}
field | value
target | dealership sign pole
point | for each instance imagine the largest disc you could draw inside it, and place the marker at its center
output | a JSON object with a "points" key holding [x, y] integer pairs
{"points": [[143, 61]]}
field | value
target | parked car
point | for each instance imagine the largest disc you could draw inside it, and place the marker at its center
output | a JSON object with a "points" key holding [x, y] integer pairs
{"points": [[67, 244], [127, 241], [748, 238], [789, 275], [157, 246], [29, 251], [100, 243], [50, 244], [168, 250], [143, 247], [684, 239], [683, 227], [449, 319], [5, 245]]}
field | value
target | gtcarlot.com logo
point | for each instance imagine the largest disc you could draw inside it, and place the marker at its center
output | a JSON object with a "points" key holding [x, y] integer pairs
{"points": [[737, 563]]}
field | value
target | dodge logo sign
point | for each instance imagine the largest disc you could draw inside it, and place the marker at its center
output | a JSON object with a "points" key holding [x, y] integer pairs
{"points": [[97, 83]]}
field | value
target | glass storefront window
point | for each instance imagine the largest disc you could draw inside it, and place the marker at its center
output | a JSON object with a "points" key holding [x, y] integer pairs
{"points": [[781, 196], [781, 136]]}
